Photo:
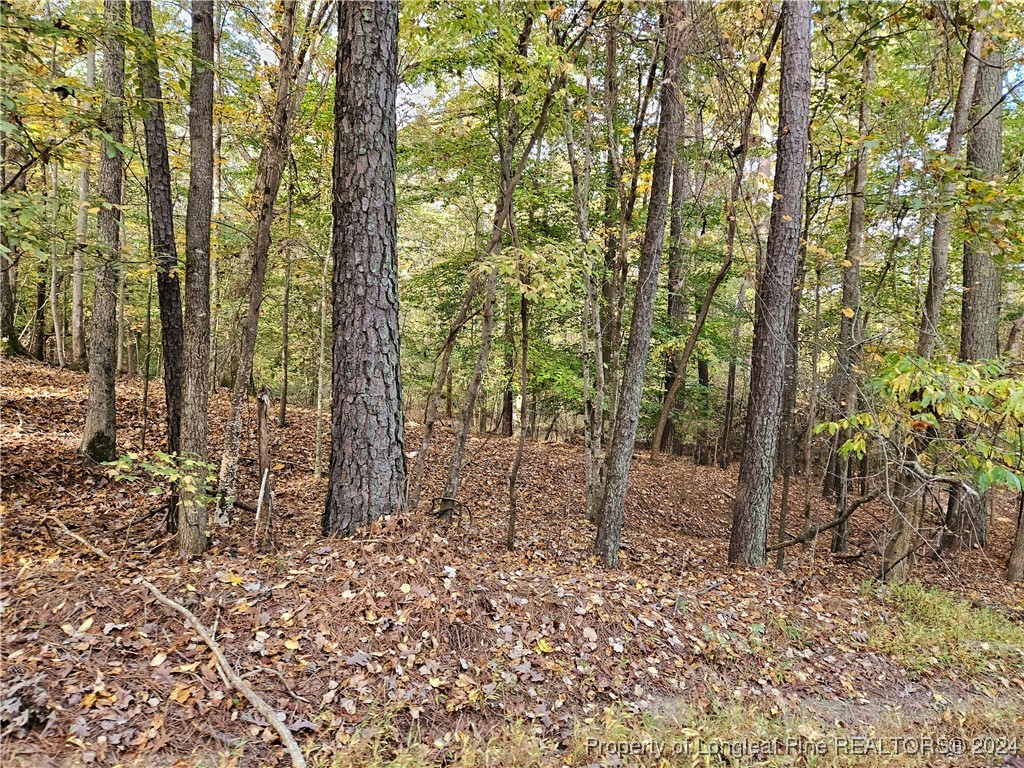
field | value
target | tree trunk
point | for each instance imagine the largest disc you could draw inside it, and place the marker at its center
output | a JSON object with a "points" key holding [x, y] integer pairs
{"points": [[979, 318], [774, 304], [942, 227], [322, 338], [620, 452], [99, 439], [513, 475], [850, 331], [37, 339], [192, 513], [81, 237], [728, 418], [55, 272], [283, 412], [1015, 568], [263, 534], [367, 467], [161, 208]]}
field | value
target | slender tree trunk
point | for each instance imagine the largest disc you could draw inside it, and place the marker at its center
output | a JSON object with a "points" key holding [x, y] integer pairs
{"points": [[99, 439], [774, 304], [282, 415], [513, 475], [319, 450], [78, 354], [943, 224], [161, 208], [728, 418], [367, 468], [218, 88], [263, 536], [292, 76], [1015, 568], [620, 452], [37, 339], [55, 272], [850, 331], [192, 512]]}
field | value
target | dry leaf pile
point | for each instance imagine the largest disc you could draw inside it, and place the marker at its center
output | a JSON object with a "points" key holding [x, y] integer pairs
{"points": [[412, 625]]}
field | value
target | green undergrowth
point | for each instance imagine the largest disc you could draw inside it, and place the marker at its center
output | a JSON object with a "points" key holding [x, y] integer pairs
{"points": [[928, 631], [730, 735]]}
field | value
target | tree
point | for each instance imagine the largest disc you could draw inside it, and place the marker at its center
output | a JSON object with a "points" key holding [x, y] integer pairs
{"points": [[99, 439], [943, 223], [294, 63], [967, 515], [620, 452], [367, 465], [774, 303], [191, 512], [850, 313], [81, 240], [161, 210]]}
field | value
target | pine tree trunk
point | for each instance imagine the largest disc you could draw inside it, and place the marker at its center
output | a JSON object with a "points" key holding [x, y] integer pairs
{"points": [[620, 452], [99, 439], [192, 512], [774, 304], [367, 466]]}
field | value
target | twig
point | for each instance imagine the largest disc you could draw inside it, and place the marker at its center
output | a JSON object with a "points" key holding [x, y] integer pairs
{"points": [[257, 701], [812, 533], [291, 691]]}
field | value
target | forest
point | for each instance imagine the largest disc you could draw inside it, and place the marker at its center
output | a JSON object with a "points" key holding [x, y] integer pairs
{"points": [[511, 383]]}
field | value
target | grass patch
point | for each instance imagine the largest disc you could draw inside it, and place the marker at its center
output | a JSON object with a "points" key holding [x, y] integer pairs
{"points": [[930, 630], [733, 734]]}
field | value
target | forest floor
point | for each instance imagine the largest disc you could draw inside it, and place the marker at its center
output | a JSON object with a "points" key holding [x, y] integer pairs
{"points": [[419, 644]]}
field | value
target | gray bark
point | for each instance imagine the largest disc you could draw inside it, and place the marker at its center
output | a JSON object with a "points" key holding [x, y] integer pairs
{"points": [[192, 513], [99, 438], [81, 237]]}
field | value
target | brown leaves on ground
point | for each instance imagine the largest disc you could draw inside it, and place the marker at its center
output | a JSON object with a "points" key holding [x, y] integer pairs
{"points": [[410, 624]]}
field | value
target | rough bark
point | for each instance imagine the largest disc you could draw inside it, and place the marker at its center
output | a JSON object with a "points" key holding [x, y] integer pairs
{"points": [[513, 475], [943, 223], [192, 513], [367, 466], [1015, 568], [99, 438], [979, 318], [161, 208], [620, 452], [774, 304]]}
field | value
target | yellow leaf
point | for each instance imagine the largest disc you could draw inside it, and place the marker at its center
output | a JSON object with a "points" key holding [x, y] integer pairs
{"points": [[85, 625], [68, 629], [292, 644], [848, 312], [543, 646], [157, 660]]}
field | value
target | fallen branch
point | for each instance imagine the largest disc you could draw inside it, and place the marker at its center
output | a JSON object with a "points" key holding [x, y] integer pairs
{"points": [[258, 702], [812, 533], [291, 691]]}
